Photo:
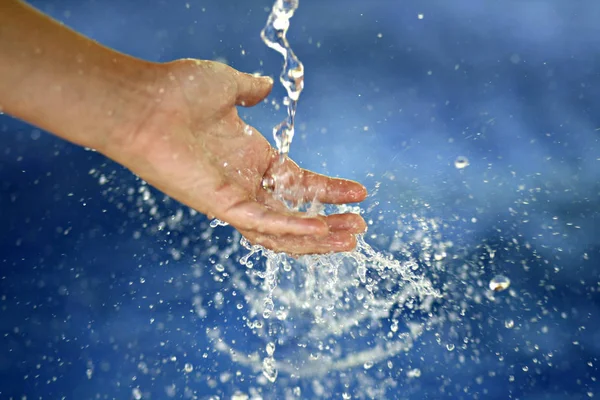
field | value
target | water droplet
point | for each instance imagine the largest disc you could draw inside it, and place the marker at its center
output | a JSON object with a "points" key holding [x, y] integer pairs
{"points": [[268, 308], [509, 323], [136, 393], [414, 373], [217, 222], [499, 283], [450, 346], [268, 183], [188, 368], [248, 130], [368, 365], [270, 348], [461, 162], [269, 369], [239, 396]]}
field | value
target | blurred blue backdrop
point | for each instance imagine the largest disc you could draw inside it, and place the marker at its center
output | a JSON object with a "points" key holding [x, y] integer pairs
{"points": [[104, 295]]}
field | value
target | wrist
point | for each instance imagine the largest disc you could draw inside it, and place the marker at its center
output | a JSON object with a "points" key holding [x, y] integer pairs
{"points": [[124, 94]]}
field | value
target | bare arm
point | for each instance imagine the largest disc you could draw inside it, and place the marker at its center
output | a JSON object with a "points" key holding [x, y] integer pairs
{"points": [[64, 82]]}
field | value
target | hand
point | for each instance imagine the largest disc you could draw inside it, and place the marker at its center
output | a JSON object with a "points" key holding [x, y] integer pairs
{"points": [[191, 144]]}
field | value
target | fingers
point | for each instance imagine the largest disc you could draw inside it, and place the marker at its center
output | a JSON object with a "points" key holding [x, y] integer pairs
{"points": [[283, 231], [334, 242], [351, 223], [251, 89], [246, 214], [303, 185], [342, 237]]}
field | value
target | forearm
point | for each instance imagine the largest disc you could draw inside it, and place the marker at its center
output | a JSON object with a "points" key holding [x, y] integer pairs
{"points": [[65, 83]]}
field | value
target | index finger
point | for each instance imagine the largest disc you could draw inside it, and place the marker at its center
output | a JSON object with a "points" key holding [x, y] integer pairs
{"points": [[304, 185], [331, 190]]}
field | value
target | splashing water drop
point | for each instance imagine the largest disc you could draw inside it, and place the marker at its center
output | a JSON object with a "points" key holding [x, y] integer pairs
{"points": [[269, 369], [217, 222], [461, 162], [136, 393], [268, 183], [499, 283], [270, 349]]}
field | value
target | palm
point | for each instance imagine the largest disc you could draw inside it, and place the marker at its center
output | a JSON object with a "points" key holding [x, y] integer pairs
{"points": [[194, 147]]}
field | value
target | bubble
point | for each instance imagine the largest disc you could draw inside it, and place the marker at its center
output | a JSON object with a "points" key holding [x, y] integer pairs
{"points": [[188, 368], [509, 323], [461, 162], [515, 58], [499, 283]]}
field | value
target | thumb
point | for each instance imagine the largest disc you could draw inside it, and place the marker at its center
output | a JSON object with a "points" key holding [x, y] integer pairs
{"points": [[251, 89]]}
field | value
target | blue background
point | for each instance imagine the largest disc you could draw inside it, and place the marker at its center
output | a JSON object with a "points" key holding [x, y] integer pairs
{"points": [[97, 298]]}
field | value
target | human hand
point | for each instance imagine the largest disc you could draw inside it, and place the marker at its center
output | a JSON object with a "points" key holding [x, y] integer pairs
{"points": [[191, 144]]}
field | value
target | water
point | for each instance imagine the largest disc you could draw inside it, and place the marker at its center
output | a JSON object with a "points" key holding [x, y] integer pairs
{"points": [[461, 162], [499, 283], [292, 75], [111, 296], [330, 296], [332, 323]]}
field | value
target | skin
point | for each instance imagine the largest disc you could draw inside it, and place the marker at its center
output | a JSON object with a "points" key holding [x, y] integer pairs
{"points": [[173, 124]]}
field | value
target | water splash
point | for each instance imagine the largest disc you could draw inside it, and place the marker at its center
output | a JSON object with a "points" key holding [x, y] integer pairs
{"points": [[327, 295]]}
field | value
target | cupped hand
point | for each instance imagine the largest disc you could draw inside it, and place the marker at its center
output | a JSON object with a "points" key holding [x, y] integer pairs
{"points": [[192, 145]]}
